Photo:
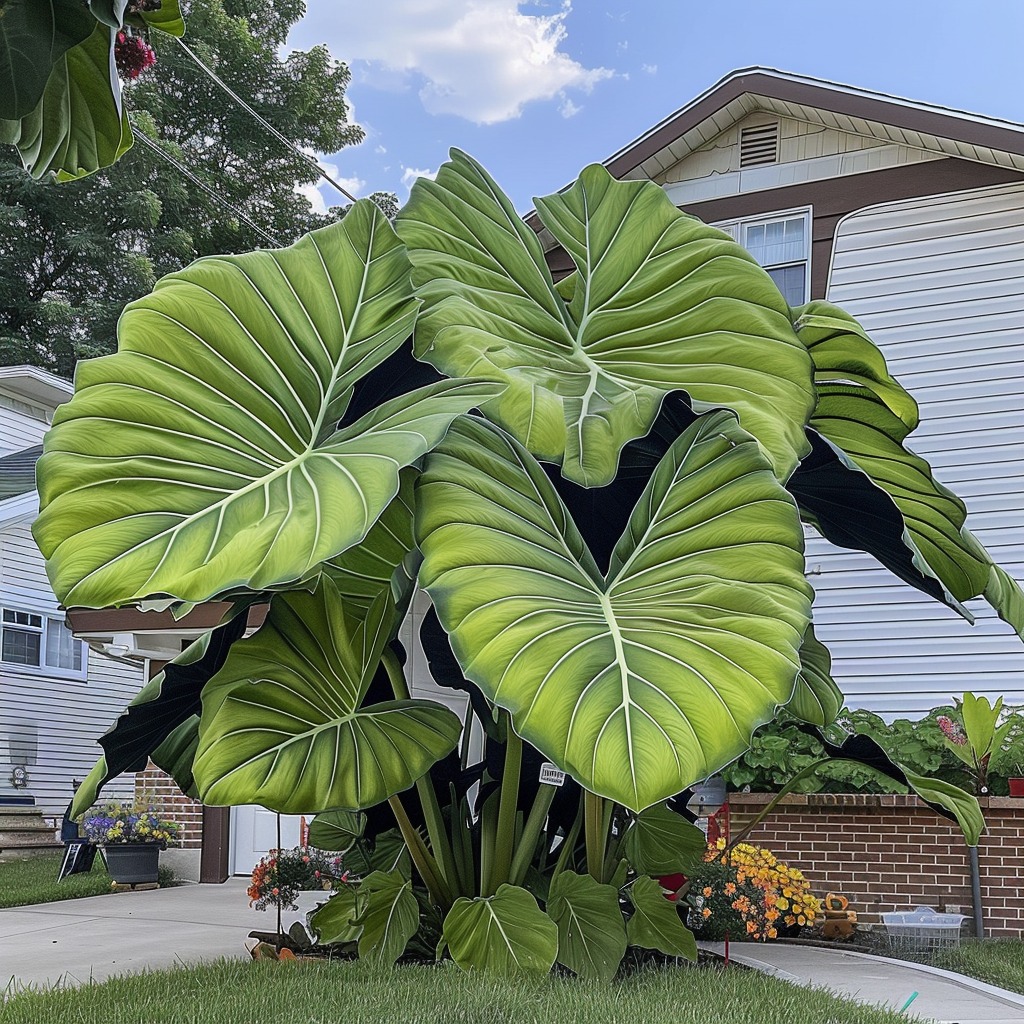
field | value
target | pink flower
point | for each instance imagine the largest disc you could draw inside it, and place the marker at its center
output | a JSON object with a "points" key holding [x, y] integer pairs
{"points": [[953, 731]]}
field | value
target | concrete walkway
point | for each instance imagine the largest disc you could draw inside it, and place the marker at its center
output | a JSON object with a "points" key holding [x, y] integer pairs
{"points": [[75, 941], [942, 995]]}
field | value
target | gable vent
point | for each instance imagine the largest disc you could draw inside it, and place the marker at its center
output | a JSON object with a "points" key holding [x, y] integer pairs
{"points": [[759, 145]]}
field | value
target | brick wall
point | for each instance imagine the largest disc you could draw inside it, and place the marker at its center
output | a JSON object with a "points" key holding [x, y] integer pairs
{"points": [[173, 805], [893, 852]]}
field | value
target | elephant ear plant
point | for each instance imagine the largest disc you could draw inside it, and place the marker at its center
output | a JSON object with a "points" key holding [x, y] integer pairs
{"points": [[601, 483]]}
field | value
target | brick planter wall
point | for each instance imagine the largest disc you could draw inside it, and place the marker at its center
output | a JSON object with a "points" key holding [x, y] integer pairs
{"points": [[893, 852], [173, 805]]}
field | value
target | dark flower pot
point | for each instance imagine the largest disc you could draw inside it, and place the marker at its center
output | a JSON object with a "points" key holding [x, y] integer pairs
{"points": [[133, 863], [1016, 787]]}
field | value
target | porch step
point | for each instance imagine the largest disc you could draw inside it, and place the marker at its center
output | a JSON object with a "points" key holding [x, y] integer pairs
{"points": [[24, 833]]}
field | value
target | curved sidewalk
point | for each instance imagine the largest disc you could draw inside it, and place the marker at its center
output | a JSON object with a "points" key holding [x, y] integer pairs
{"points": [[941, 995]]}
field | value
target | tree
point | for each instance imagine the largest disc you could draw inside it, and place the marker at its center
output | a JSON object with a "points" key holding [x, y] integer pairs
{"points": [[71, 258], [601, 484]]}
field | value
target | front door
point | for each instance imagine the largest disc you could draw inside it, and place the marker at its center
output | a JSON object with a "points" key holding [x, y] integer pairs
{"points": [[254, 835]]}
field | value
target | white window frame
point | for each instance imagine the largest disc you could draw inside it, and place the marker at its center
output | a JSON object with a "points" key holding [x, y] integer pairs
{"points": [[48, 621], [738, 228]]}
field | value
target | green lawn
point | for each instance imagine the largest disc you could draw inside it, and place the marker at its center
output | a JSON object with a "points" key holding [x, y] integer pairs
{"points": [[312, 992], [997, 961], [23, 882]]}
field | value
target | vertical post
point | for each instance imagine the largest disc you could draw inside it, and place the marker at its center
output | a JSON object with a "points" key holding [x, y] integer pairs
{"points": [[979, 923]]}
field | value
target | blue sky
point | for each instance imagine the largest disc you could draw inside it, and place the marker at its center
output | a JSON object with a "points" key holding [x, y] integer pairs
{"points": [[538, 90]]}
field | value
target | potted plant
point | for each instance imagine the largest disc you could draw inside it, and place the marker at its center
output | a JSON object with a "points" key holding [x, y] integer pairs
{"points": [[988, 738], [131, 836]]}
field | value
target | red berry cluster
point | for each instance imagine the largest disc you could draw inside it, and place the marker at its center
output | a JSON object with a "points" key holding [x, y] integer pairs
{"points": [[133, 55]]}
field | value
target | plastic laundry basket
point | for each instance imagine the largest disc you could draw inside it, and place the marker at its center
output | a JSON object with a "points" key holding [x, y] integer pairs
{"points": [[922, 930]]}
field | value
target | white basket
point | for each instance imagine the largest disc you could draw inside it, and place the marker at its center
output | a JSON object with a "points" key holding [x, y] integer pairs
{"points": [[922, 930]]}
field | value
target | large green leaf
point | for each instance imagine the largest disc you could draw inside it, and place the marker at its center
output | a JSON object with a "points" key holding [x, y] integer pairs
{"points": [[390, 916], [377, 564], [161, 721], [34, 36], [283, 723], [204, 456], [336, 830], [167, 18], [661, 302], [656, 923], [643, 683], [335, 921], [817, 699], [591, 931], [78, 126], [863, 488], [506, 933], [662, 842]]}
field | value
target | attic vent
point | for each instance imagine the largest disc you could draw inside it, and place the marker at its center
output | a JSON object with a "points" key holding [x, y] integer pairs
{"points": [[759, 145]]}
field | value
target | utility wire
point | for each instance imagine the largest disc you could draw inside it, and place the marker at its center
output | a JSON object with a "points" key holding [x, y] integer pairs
{"points": [[164, 155], [263, 121]]}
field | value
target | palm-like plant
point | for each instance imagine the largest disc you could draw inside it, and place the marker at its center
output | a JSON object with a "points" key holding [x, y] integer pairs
{"points": [[601, 483]]}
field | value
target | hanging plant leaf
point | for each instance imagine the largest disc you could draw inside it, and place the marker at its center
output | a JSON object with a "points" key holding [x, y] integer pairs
{"points": [[656, 923], [591, 931], [816, 700], [110, 12], [661, 841], [34, 36], [167, 18], [662, 302], [390, 916], [78, 126], [167, 703], [642, 683], [203, 456], [506, 933], [283, 723]]}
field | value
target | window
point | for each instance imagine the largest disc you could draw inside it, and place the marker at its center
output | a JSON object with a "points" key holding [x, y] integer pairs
{"points": [[39, 641], [782, 245]]}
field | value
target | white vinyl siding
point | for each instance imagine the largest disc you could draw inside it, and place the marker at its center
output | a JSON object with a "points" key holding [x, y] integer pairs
{"points": [[22, 424], [57, 714], [937, 283]]}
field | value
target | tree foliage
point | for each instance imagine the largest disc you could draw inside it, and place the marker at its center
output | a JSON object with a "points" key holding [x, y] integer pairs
{"points": [[71, 258]]}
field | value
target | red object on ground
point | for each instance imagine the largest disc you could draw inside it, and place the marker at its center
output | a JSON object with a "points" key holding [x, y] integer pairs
{"points": [[1016, 787]]}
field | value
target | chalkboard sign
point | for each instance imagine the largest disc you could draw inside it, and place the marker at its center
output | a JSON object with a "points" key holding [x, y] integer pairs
{"points": [[78, 857]]}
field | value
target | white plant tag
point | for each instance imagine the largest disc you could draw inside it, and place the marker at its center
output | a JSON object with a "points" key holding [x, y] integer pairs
{"points": [[550, 775]]}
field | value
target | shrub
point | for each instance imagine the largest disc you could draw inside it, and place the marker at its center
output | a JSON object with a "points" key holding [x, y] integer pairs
{"points": [[282, 874]]}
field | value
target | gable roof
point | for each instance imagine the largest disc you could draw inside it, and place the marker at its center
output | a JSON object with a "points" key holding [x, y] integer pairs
{"points": [[846, 108], [36, 385]]}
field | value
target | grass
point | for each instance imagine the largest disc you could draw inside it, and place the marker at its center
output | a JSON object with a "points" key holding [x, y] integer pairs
{"points": [[997, 961], [24, 882], [320, 992]]}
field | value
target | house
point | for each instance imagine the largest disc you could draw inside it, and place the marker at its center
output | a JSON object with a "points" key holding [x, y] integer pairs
{"points": [[57, 695], [911, 216]]}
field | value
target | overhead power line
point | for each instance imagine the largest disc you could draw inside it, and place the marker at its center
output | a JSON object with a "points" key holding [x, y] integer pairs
{"points": [[211, 192], [264, 122]]}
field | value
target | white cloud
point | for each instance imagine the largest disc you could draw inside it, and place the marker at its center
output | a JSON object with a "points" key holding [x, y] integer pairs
{"points": [[568, 108], [483, 60], [410, 174], [651, 69], [317, 198], [379, 150]]}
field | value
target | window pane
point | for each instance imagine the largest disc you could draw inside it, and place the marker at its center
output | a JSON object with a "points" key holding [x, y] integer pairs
{"points": [[779, 241], [20, 647], [23, 618], [791, 281], [62, 649]]}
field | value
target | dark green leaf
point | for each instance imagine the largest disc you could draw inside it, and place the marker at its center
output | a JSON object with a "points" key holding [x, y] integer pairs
{"points": [[336, 830], [591, 931], [389, 918], [662, 842], [656, 923]]}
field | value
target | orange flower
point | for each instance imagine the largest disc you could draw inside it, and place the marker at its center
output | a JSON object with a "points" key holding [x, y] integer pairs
{"points": [[706, 913]]}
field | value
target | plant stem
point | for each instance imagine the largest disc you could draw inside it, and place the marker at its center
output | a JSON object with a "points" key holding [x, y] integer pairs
{"points": [[531, 832], [505, 833], [566, 849], [596, 825], [436, 831], [421, 857]]}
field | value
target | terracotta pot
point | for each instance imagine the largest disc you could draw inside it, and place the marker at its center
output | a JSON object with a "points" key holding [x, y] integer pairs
{"points": [[1016, 787], [133, 863]]}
